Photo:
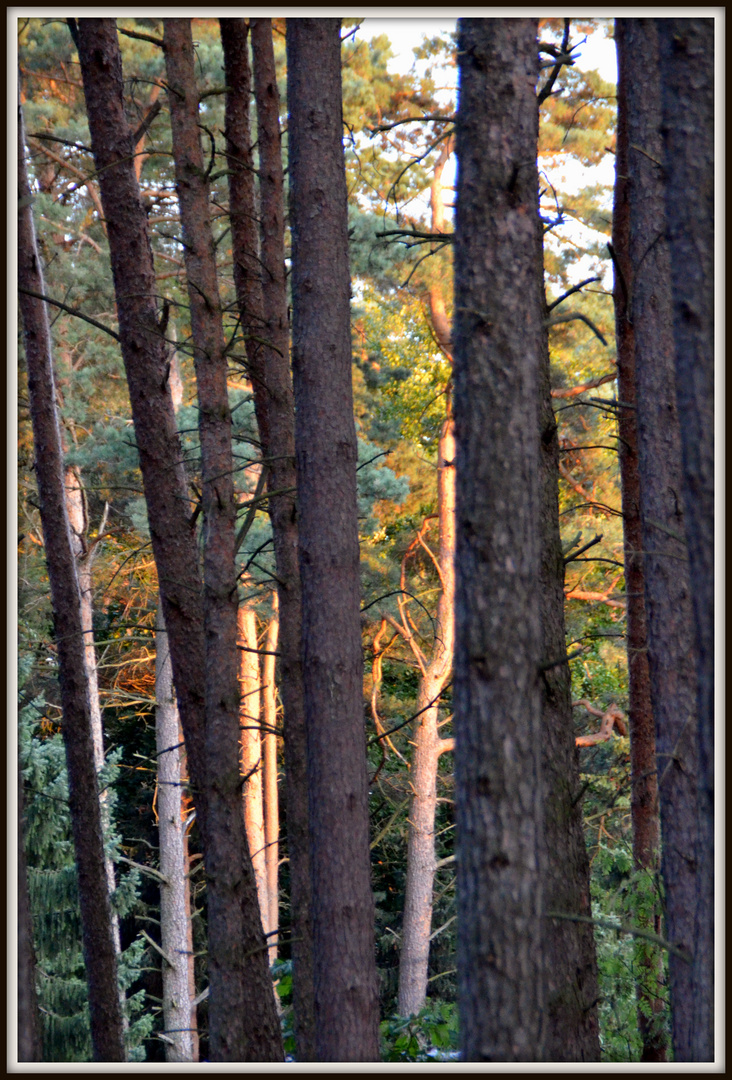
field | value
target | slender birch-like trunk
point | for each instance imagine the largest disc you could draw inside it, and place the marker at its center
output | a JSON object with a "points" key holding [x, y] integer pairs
{"points": [[179, 1015], [251, 752], [269, 764]]}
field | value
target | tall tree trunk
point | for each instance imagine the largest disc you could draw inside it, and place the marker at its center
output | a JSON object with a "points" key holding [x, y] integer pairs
{"points": [[687, 83], [346, 1002], [179, 1014], [229, 871], [236, 1003], [251, 752], [643, 775], [497, 696], [269, 778], [100, 960], [29, 1019], [572, 1028], [262, 295], [671, 643]]}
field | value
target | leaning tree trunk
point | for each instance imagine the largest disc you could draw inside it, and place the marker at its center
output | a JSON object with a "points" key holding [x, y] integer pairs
{"points": [[262, 300], [497, 696], [235, 948], [687, 83], [100, 959], [176, 939], [643, 778], [671, 643], [235, 1003], [346, 1002]]}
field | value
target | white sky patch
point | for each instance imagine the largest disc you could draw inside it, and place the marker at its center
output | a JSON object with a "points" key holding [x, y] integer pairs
{"points": [[597, 53]]}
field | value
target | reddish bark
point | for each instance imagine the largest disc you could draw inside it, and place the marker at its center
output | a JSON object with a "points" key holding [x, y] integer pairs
{"points": [[346, 1003], [100, 961], [643, 777]]}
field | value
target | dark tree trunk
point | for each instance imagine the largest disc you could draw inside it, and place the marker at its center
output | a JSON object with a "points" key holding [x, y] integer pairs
{"points": [[346, 1003], [687, 79], [100, 961], [240, 986], [147, 359], [671, 643], [498, 738], [643, 777], [262, 298], [572, 1032], [29, 1020]]}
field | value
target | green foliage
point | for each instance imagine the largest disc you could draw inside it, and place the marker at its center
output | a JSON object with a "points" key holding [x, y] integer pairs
{"points": [[431, 1035]]}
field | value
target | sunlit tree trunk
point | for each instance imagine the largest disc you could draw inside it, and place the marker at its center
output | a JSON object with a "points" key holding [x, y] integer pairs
{"points": [[100, 957], [497, 696], [269, 763], [251, 752], [346, 1001], [428, 747], [179, 1015], [687, 86]]}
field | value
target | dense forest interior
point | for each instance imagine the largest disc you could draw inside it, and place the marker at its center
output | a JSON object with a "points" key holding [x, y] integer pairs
{"points": [[365, 520]]}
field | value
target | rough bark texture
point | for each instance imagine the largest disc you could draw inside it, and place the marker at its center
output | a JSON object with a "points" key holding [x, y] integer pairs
{"points": [[251, 753], [234, 924], [269, 779], [100, 960], [687, 75], [572, 1030], [240, 1006], [497, 696], [262, 299], [346, 1003], [145, 354], [179, 1016], [643, 776], [671, 643], [29, 1020]]}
